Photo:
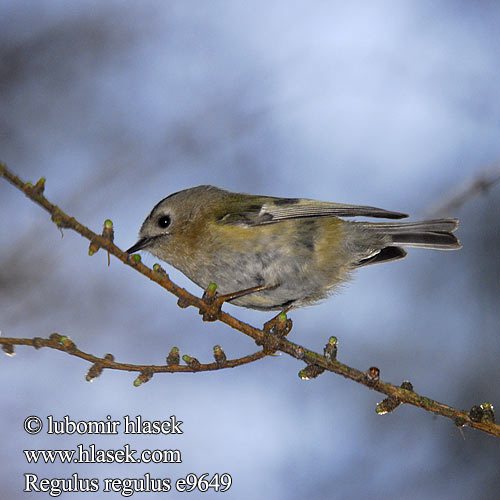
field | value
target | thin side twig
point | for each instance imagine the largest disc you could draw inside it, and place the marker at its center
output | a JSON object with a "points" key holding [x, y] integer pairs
{"points": [[64, 344], [465, 192]]}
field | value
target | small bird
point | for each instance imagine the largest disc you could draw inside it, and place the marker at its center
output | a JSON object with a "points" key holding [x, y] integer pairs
{"points": [[271, 253]]}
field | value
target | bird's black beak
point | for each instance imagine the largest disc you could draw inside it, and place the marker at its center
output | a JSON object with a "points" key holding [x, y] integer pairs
{"points": [[142, 243]]}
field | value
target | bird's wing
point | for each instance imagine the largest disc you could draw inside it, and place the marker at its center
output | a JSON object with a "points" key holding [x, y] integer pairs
{"points": [[271, 210]]}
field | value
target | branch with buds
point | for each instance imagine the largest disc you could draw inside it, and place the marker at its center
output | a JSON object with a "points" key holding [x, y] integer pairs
{"points": [[272, 337]]}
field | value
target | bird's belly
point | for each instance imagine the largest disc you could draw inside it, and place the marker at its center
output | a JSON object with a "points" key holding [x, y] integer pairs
{"points": [[287, 279]]}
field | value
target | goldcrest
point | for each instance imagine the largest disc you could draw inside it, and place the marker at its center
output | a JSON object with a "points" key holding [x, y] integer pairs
{"points": [[277, 253]]}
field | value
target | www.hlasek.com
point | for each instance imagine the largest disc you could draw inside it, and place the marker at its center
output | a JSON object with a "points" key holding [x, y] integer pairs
{"points": [[125, 454], [93, 455]]}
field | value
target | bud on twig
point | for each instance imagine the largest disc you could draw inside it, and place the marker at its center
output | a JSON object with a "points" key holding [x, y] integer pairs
{"points": [[219, 356], [388, 405], [183, 303], [173, 357], [108, 231], [372, 375], [93, 247], [144, 377], [310, 372], [406, 384], [8, 349], [94, 371], [488, 412], [330, 350], [39, 187], [67, 343], [193, 363], [158, 269]]}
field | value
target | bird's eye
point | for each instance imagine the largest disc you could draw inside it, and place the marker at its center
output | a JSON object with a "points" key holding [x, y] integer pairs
{"points": [[163, 221]]}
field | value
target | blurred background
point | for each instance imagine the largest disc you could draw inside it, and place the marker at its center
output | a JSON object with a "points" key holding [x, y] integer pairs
{"points": [[119, 104]]}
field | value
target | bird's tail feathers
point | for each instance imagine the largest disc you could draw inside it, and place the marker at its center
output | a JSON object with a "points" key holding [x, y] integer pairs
{"points": [[435, 234]]}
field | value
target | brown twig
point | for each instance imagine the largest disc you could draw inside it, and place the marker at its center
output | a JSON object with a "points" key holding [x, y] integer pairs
{"points": [[64, 344], [481, 418]]}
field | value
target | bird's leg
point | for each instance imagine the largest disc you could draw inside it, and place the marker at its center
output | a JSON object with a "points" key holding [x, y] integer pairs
{"points": [[211, 298], [235, 295]]}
